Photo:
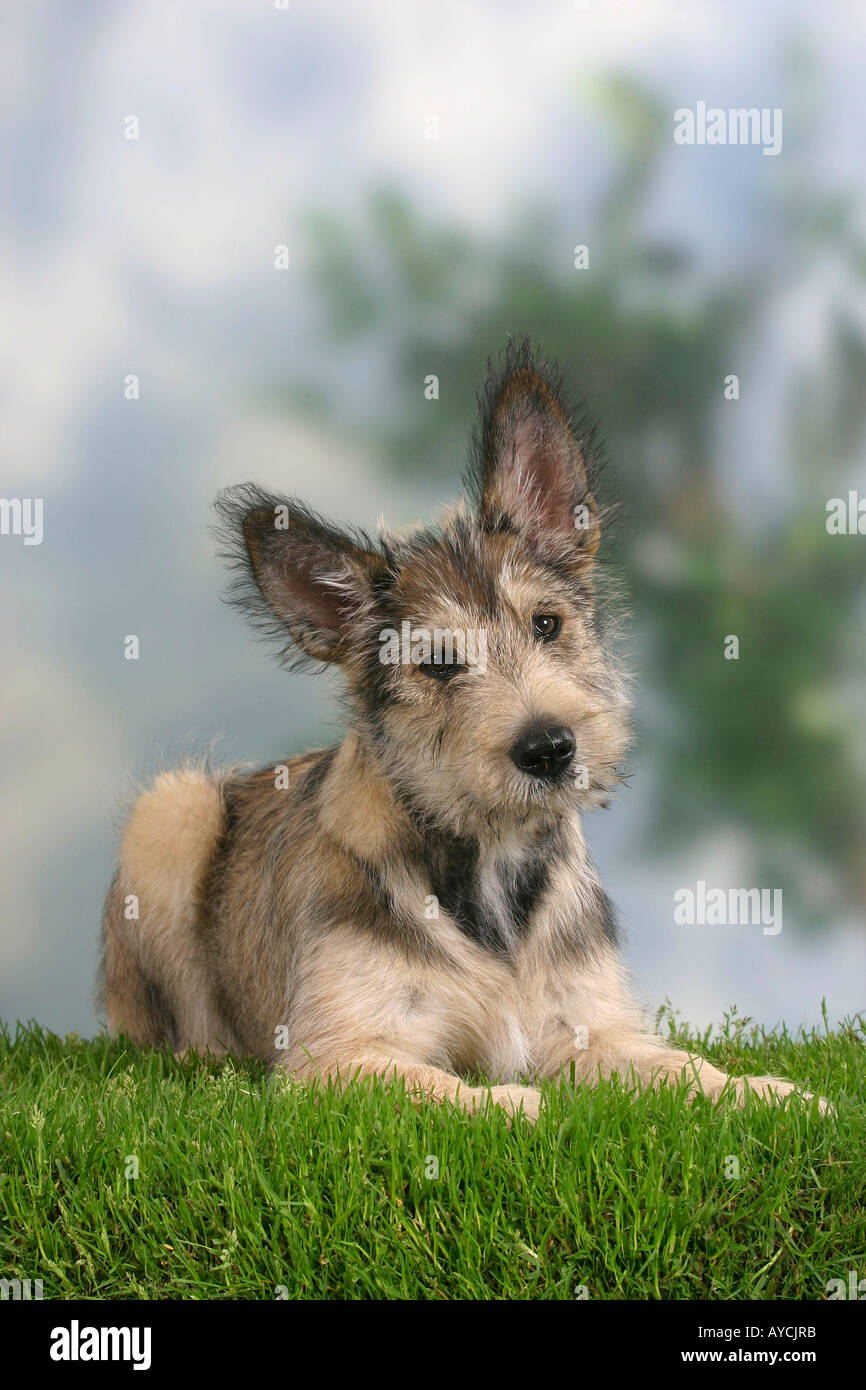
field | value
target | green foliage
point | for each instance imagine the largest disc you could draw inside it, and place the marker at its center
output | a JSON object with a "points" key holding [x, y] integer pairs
{"points": [[248, 1183]]}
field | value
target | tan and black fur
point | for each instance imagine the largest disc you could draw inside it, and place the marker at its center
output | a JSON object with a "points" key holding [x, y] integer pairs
{"points": [[418, 900]]}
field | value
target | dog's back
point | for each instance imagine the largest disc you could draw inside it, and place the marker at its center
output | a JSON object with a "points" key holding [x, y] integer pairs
{"points": [[220, 880]]}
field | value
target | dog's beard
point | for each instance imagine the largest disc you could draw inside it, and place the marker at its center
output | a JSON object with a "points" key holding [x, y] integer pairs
{"points": [[518, 803], [488, 797]]}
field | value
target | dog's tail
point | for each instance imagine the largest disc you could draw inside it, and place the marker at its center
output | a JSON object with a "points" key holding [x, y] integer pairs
{"points": [[153, 982]]}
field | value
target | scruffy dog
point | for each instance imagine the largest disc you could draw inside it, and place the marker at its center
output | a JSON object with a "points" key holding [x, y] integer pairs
{"points": [[418, 900]]}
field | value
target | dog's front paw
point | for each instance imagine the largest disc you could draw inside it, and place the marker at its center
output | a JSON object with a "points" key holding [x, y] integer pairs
{"points": [[773, 1088], [514, 1100]]}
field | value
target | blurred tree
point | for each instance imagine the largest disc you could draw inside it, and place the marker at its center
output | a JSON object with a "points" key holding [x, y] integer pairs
{"points": [[772, 742]]}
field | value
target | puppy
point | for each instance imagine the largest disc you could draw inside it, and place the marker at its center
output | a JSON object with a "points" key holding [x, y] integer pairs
{"points": [[417, 901]]}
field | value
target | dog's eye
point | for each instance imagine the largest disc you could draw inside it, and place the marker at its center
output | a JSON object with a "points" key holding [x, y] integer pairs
{"points": [[545, 626], [441, 670]]}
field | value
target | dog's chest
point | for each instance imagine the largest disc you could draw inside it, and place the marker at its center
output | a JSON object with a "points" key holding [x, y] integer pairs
{"points": [[493, 901], [491, 894]]}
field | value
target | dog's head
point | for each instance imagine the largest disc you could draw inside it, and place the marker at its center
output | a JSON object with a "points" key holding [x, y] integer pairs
{"points": [[476, 668]]}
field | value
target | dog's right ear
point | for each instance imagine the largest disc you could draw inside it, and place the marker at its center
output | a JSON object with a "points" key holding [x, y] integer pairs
{"points": [[297, 574]]}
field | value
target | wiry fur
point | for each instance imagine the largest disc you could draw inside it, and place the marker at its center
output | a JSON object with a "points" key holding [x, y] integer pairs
{"points": [[412, 901]]}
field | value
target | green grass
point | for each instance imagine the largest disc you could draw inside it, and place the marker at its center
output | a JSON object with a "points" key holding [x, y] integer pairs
{"points": [[246, 1183]]}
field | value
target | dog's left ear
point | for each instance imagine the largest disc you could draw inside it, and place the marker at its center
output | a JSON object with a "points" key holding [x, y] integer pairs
{"points": [[532, 472]]}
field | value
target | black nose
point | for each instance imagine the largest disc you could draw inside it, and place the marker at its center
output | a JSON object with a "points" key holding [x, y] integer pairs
{"points": [[544, 753]]}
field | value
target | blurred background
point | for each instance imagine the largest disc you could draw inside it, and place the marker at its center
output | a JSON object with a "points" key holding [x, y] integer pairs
{"points": [[430, 170]]}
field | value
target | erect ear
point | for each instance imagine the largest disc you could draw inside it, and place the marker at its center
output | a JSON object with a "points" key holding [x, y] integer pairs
{"points": [[297, 573], [533, 474]]}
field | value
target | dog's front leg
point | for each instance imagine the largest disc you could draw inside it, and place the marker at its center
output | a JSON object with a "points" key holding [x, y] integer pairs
{"points": [[422, 1082], [641, 1059]]}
